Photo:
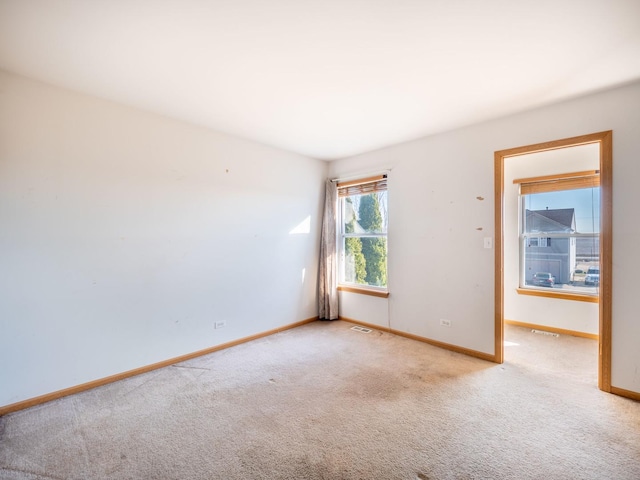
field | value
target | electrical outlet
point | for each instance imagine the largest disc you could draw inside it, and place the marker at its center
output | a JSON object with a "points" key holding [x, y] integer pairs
{"points": [[445, 323], [219, 324]]}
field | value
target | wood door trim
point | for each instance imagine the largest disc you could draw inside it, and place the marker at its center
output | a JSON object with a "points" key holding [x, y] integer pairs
{"points": [[605, 140]]}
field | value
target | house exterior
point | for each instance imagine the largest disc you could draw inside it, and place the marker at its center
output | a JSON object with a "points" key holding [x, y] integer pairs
{"points": [[544, 253]]}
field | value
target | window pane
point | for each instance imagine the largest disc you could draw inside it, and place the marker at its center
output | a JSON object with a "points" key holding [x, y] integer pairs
{"points": [[364, 242], [560, 241], [365, 261], [363, 214], [567, 264]]}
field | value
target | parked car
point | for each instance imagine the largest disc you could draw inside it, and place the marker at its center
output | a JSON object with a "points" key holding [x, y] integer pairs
{"points": [[578, 276], [593, 276], [544, 279]]}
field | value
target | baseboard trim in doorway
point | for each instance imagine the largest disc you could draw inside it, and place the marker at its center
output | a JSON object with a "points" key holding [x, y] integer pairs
{"points": [[625, 393], [435, 343], [32, 402], [562, 331]]}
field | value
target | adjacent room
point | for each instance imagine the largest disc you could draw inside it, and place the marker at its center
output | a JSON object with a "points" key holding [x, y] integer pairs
{"points": [[200, 200]]}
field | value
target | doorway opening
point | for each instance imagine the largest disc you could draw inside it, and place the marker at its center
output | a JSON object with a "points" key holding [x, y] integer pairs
{"points": [[533, 249]]}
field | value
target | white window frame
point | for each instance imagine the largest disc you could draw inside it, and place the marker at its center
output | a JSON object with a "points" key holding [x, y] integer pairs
{"points": [[547, 184], [362, 186]]}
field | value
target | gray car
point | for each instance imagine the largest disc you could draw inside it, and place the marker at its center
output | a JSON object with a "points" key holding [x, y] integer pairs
{"points": [[544, 279]]}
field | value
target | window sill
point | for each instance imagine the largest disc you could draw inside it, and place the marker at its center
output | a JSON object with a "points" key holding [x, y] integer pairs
{"points": [[364, 291], [563, 296]]}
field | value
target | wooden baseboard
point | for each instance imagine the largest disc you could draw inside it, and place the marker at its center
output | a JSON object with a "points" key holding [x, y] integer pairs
{"points": [[625, 393], [552, 329], [31, 402], [446, 346]]}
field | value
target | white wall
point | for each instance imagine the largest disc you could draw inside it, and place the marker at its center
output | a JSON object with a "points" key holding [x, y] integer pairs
{"points": [[438, 267], [124, 236], [551, 312], [364, 308]]}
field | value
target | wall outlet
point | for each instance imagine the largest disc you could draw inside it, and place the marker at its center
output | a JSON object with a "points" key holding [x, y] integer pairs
{"points": [[445, 323], [219, 324]]}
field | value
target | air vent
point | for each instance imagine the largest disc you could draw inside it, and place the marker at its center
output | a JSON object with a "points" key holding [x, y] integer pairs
{"points": [[542, 332], [358, 328]]}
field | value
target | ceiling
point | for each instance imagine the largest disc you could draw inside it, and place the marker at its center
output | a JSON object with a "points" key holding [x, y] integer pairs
{"points": [[325, 78]]}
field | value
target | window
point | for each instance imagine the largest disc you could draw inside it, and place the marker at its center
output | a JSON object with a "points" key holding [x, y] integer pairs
{"points": [[362, 231], [560, 233], [539, 242]]}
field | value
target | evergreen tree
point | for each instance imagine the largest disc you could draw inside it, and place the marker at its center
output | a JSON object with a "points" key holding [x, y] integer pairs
{"points": [[374, 250]]}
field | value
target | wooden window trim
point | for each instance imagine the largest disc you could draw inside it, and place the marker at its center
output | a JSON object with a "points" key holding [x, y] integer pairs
{"points": [[362, 186], [560, 295], [559, 176], [554, 183], [364, 291]]}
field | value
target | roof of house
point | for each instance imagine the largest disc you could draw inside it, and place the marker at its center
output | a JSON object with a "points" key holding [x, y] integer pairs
{"points": [[558, 219], [564, 216]]}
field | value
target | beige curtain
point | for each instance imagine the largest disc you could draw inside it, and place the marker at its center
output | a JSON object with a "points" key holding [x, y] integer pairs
{"points": [[328, 278]]}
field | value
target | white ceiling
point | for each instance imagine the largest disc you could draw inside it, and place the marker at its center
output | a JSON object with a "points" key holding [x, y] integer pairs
{"points": [[325, 78]]}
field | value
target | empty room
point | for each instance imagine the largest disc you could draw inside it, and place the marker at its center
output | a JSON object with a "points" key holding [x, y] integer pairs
{"points": [[319, 239]]}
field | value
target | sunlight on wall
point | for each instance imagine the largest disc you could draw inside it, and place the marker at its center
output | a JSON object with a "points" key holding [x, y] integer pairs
{"points": [[303, 227]]}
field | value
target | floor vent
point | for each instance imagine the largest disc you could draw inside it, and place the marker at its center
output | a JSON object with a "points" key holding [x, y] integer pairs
{"points": [[542, 332], [358, 328]]}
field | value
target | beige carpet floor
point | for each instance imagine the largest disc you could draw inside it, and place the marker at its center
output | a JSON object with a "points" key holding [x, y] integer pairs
{"points": [[325, 402]]}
